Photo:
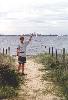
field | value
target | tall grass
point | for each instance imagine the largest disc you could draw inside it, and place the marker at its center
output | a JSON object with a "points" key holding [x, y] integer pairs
{"points": [[9, 79], [57, 72]]}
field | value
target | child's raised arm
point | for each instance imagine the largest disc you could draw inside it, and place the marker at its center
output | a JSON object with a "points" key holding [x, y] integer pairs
{"points": [[30, 37]]}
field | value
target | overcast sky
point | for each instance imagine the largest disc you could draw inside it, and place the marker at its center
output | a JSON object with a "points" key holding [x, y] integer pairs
{"points": [[28, 16]]}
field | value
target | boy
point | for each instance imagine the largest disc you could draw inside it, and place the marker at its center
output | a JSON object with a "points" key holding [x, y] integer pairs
{"points": [[21, 53]]}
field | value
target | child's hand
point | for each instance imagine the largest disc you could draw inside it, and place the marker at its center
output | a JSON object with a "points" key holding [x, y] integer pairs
{"points": [[17, 54], [31, 35]]}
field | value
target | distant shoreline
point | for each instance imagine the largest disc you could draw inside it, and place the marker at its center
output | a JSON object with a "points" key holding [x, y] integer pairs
{"points": [[33, 35]]}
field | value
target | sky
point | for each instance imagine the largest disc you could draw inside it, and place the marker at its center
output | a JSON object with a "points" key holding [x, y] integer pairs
{"points": [[29, 16]]}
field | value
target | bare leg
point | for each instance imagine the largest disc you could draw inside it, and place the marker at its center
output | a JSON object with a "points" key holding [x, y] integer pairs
{"points": [[19, 66], [23, 68]]}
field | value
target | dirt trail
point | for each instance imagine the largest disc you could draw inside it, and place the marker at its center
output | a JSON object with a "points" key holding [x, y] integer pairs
{"points": [[33, 88]]}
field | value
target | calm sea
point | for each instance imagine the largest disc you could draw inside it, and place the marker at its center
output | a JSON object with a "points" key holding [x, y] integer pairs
{"points": [[37, 45]]}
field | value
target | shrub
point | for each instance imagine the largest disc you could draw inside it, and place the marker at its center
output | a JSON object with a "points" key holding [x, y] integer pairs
{"points": [[9, 79], [57, 71], [8, 76], [7, 92]]}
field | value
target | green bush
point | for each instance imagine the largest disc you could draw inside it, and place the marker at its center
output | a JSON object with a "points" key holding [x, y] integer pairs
{"points": [[57, 71], [9, 78], [7, 92]]}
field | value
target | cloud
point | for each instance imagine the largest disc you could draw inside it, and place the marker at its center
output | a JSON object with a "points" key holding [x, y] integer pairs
{"points": [[43, 16]]}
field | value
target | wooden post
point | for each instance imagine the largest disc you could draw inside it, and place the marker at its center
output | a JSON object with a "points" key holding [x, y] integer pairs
{"points": [[9, 50], [3, 51], [52, 51], [64, 59], [6, 51], [49, 50], [63, 54], [56, 54]]}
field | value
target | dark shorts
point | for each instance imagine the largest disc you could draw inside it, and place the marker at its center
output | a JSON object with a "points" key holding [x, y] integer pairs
{"points": [[21, 60]]}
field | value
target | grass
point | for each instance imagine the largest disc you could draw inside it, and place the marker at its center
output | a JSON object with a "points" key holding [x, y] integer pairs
{"points": [[9, 79], [55, 71]]}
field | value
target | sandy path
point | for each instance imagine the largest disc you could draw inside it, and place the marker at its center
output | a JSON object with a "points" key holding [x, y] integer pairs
{"points": [[33, 86]]}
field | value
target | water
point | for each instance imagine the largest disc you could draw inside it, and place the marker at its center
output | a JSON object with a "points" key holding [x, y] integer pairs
{"points": [[37, 45]]}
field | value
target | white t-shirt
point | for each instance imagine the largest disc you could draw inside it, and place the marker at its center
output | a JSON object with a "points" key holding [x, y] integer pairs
{"points": [[22, 49]]}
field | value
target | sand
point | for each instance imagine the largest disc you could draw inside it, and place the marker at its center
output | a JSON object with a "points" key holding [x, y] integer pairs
{"points": [[33, 87]]}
